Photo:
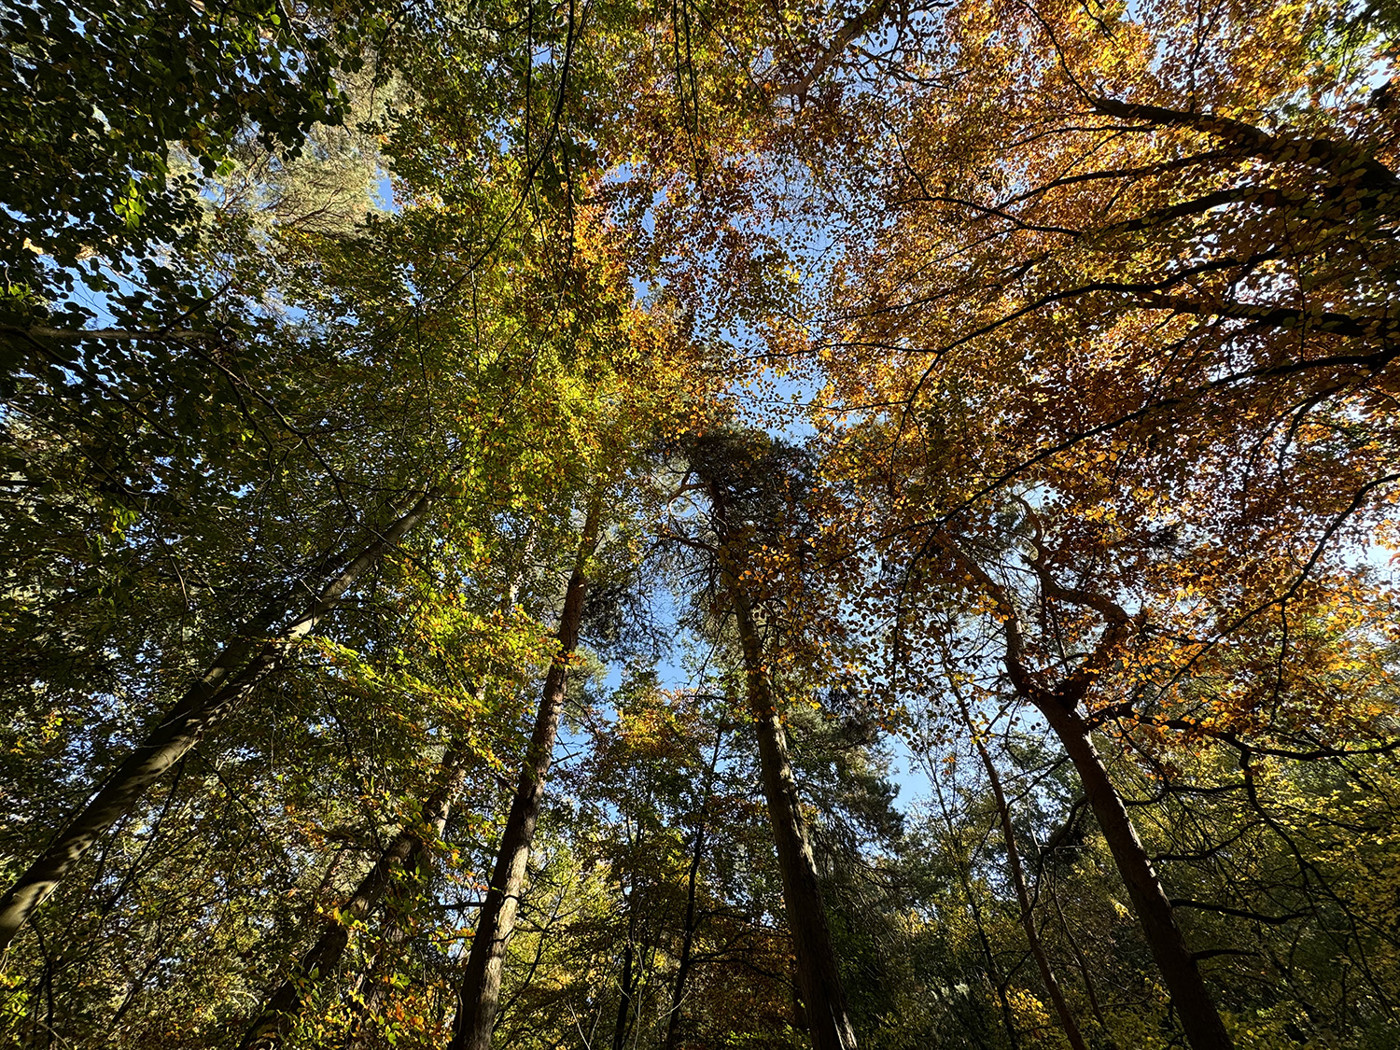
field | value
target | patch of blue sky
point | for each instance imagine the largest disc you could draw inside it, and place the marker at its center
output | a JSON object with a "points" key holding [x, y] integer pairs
{"points": [[384, 197]]}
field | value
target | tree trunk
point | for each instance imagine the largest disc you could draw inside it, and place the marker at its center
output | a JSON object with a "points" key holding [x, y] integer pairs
{"points": [[630, 977], [994, 976], [691, 892], [243, 663], [818, 978], [1023, 899], [404, 853], [480, 993], [1192, 1000], [1105, 1033]]}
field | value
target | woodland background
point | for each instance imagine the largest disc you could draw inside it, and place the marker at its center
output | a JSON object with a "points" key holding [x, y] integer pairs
{"points": [[699, 524]]}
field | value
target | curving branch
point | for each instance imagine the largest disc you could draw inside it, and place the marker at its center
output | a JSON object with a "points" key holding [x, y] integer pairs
{"points": [[1339, 159]]}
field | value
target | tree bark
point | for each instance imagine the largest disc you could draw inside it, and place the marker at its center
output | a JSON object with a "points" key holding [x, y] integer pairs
{"points": [[1192, 1000], [998, 982], [1023, 899], [823, 994], [480, 992], [1105, 1032], [404, 853], [628, 981], [244, 662], [697, 854]]}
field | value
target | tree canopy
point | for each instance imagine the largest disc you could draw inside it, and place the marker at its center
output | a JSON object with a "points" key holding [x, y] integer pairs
{"points": [[602, 525]]}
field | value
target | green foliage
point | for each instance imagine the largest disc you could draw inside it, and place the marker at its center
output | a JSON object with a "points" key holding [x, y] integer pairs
{"points": [[95, 97]]}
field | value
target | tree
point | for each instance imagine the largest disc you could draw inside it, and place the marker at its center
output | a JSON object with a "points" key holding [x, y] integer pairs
{"points": [[481, 981], [748, 513], [235, 672], [95, 99]]}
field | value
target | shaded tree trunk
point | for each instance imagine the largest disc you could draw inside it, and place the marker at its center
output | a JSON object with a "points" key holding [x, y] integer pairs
{"points": [[995, 978], [403, 854], [630, 978], [244, 662], [1105, 1033], [691, 893], [480, 991], [823, 994], [1192, 999], [1018, 881]]}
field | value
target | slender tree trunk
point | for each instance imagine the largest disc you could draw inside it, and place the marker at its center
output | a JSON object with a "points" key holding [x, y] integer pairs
{"points": [[1018, 881], [994, 975], [244, 662], [624, 1003], [404, 853], [481, 983], [1106, 1034], [691, 892], [818, 977], [1190, 996]]}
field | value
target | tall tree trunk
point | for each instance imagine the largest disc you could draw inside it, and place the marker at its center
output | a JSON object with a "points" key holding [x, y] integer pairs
{"points": [[697, 853], [1023, 898], [1192, 1000], [244, 662], [818, 977], [1199, 1018], [1105, 1033], [630, 977], [480, 992], [995, 978], [404, 853]]}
